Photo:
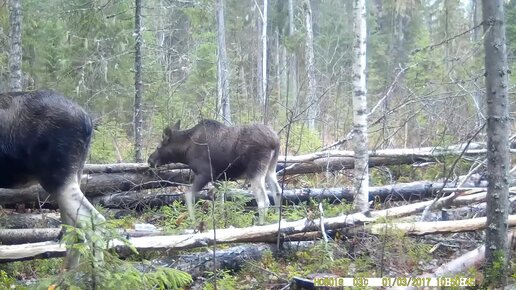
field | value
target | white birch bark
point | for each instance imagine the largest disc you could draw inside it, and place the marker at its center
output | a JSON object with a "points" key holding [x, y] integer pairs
{"points": [[292, 64], [222, 67], [138, 83], [310, 67], [264, 97], [361, 174]]}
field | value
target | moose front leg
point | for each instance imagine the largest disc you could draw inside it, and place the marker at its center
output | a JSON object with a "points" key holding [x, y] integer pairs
{"points": [[200, 180]]}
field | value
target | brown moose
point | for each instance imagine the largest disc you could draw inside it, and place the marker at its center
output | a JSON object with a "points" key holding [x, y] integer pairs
{"points": [[215, 151]]}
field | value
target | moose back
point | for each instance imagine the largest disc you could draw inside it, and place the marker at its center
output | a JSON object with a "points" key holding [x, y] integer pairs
{"points": [[215, 151]]}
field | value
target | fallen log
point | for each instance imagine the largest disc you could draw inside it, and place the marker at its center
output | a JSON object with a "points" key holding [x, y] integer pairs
{"points": [[233, 258], [407, 154], [127, 167], [25, 221], [98, 184], [229, 259], [267, 233], [437, 227], [37, 235], [460, 265], [20, 236], [24, 236], [402, 191], [105, 189]]}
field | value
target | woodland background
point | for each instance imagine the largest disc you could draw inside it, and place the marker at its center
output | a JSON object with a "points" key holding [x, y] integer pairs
{"points": [[424, 61]]}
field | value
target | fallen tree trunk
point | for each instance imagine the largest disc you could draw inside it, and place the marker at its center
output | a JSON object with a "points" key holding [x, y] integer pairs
{"points": [[98, 184], [233, 258], [23, 236], [438, 227], [267, 233], [127, 167], [410, 155], [25, 221], [228, 259], [401, 191], [472, 259], [28, 236]]}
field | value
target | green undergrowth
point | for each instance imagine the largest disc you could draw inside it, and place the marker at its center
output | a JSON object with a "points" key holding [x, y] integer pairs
{"points": [[174, 218], [447, 166], [111, 272]]}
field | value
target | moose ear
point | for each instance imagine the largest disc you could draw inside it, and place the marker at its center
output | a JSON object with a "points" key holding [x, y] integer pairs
{"points": [[167, 131], [177, 125]]}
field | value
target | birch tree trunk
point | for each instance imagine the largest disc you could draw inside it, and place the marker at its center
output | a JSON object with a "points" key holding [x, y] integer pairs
{"points": [[310, 67], [138, 84], [277, 64], [264, 97], [284, 72], [15, 53], [222, 67], [361, 174], [498, 158], [292, 64]]}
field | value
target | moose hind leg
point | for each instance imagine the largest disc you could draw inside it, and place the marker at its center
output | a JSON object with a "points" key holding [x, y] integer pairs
{"points": [[272, 180], [76, 211], [258, 189], [274, 187]]}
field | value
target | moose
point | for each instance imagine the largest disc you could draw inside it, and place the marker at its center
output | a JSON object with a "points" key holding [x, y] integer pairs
{"points": [[44, 138], [215, 151]]}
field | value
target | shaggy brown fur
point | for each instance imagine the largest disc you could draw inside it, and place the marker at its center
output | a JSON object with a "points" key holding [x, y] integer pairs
{"points": [[217, 152]]}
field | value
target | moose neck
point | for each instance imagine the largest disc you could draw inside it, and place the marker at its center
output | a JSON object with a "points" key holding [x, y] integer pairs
{"points": [[185, 139]]}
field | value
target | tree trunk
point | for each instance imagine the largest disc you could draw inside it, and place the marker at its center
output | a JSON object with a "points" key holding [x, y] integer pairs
{"points": [[292, 63], [263, 90], [360, 142], [37, 235], [476, 16], [403, 191], [498, 158], [29, 221], [284, 71], [278, 68], [267, 233], [437, 227], [15, 53], [230, 259], [99, 184], [222, 67], [311, 97], [138, 83]]}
